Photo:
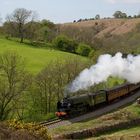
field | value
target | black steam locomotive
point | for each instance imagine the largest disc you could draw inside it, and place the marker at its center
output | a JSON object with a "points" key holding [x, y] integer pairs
{"points": [[80, 104]]}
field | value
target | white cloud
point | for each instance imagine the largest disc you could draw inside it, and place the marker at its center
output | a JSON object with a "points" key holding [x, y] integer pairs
{"points": [[123, 1]]}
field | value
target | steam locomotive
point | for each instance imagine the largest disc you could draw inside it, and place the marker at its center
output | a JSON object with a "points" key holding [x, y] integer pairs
{"points": [[71, 106]]}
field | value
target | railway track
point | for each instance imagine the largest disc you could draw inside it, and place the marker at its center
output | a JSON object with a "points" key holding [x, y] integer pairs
{"points": [[106, 109], [50, 122], [54, 123]]}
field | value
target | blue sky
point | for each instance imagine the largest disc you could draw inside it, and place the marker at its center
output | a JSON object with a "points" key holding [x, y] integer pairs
{"points": [[60, 11]]}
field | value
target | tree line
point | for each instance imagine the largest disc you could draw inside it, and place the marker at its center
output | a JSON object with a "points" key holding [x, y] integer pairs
{"points": [[27, 96], [23, 24], [117, 14], [34, 97]]}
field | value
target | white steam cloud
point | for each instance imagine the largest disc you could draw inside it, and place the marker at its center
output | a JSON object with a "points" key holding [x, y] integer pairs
{"points": [[107, 65]]}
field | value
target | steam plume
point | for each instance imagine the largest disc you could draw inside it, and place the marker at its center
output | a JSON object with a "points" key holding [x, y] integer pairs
{"points": [[107, 65]]}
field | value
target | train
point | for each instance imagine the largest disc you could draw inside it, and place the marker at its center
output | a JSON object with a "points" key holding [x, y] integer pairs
{"points": [[80, 104]]}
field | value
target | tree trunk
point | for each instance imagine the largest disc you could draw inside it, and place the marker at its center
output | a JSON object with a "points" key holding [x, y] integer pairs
{"points": [[21, 32], [49, 107], [21, 39], [1, 113]]}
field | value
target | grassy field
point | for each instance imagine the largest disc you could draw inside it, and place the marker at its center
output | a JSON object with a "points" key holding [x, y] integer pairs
{"points": [[35, 58]]}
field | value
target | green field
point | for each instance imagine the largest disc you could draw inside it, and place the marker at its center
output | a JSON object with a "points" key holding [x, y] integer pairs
{"points": [[35, 58]]}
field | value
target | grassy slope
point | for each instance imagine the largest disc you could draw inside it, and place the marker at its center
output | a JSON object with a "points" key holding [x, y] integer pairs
{"points": [[36, 58], [111, 26], [127, 134], [110, 36], [132, 111]]}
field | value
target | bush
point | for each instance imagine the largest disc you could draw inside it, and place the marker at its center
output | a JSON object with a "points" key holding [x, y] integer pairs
{"points": [[63, 43], [34, 129], [91, 54], [42, 44], [83, 49]]}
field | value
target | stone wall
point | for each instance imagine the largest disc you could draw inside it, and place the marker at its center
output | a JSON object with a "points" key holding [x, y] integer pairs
{"points": [[98, 130]]}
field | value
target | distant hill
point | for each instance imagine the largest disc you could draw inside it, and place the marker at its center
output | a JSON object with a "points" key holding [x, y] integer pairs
{"points": [[111, 26], [106, 35]]}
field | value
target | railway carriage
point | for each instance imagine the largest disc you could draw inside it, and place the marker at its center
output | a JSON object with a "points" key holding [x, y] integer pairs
{"points": [[134, 87], [117, 92], [80, 104]]}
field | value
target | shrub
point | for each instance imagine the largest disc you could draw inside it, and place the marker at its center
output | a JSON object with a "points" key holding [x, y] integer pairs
{"points": [[91, 54], [63, 43], [42, 44], [83, 49], [32, 128]]}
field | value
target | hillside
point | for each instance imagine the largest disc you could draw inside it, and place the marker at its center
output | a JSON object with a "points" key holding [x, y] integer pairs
{"points": [[111, 26], [106, 35], [36, 58]]}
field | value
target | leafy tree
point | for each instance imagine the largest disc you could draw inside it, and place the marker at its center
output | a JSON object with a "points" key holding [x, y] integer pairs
{"points": [[135, 16], [119, 14], [65, 44], [20, 16], [97, 16], [129, 16], [91, 54], [83, 49], [123, 15], [31, 30], [40, 32], [47, 23], [48, 29]]}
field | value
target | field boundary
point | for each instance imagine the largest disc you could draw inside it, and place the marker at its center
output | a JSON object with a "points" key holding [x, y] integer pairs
{"points": [[99, 130]]}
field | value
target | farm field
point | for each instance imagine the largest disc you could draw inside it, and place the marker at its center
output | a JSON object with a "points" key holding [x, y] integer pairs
{"points": [[35, 58]]}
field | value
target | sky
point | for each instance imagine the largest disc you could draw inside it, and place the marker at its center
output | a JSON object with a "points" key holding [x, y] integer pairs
{"points": [[61, 11]]}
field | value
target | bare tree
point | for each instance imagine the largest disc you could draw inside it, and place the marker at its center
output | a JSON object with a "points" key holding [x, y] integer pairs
{"points": [[50, 83], [10, 29], [20, 16], [14, 81]]}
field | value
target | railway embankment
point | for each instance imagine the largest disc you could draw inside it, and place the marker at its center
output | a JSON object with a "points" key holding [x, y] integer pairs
{"points": [[99, 130], [96, 113], [122, 117]]}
